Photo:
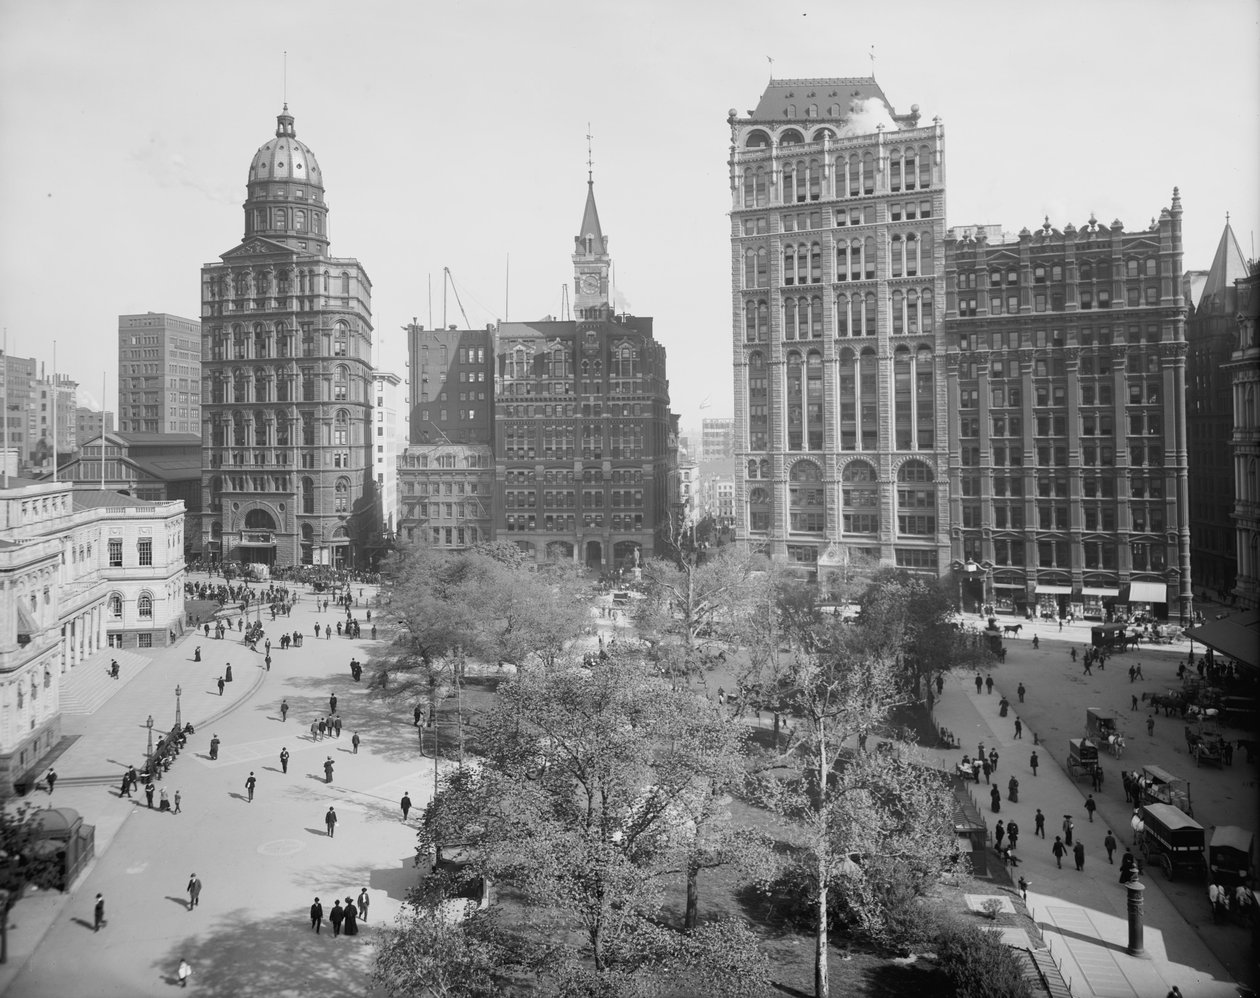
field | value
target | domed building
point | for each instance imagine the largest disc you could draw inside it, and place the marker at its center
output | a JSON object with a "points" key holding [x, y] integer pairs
{"points": [[286, 371]]}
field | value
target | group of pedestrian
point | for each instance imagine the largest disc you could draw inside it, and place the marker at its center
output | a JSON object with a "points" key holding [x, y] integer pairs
{"points": [[344, 919]]}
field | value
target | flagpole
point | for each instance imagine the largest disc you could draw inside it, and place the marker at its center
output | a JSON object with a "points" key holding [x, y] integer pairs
{"points": [[54, 410]]}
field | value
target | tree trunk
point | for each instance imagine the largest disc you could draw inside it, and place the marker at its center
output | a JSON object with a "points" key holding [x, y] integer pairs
{"points": [[822, 984], [693, 895], [597, 944]]}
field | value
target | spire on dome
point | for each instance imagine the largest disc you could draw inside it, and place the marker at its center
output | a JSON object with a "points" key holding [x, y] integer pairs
{"points": [[1228, 265], [284, 124]]}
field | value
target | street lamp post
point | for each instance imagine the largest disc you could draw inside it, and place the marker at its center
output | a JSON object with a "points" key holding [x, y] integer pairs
{"points": [[149, 752], [178, 693]]}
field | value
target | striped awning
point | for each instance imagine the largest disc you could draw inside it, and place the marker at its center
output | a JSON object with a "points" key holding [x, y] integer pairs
{"points": [[1047, 590], [1144, 592]]}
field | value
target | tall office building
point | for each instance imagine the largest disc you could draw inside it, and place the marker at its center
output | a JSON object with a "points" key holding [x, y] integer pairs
{"points": [[287, 377], [1211, 332], [21, 379], [717, 440], [385, 449], [837, 269], [1244, 369], [1067, 443], [159, 374], [582, 424], [90, 424]]}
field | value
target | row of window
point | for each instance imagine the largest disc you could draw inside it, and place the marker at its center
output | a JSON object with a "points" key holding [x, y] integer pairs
{"points": [[1056, 302], [911, 314], [847, 175], [910, 254], [144, 605], [1095, 555], [1087, 272], [567, 523], [1089, 424], [859, 496]]}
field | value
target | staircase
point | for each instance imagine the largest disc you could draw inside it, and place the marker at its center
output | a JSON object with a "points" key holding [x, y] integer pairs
{"points": [[88, 686]]}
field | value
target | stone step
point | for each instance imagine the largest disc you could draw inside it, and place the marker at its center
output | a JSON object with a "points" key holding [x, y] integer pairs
{"points": [[88, 685]]}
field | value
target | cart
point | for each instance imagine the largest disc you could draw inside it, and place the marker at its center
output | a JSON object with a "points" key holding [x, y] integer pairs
{"points": [[1104, 727], [1159, 786], [1210, 750], [1230, 855], [1107, 636], [1082, 757], [1170, 837]]}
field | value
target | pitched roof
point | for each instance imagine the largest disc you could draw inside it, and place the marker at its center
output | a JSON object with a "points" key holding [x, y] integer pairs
{"points": [[1228, 266], [838, 100], [590, 220], [96, 499]]}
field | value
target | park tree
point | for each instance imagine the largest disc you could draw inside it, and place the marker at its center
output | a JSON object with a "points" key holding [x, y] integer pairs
{"points": [[855, 820], [433, 951]]}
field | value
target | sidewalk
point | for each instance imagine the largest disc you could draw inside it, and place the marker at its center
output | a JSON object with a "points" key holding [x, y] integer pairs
{"points": [[1081, 914]]}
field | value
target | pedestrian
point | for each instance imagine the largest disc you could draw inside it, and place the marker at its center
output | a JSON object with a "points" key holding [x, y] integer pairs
{"points": [[1150, 726], [999, 833], [355, 742], [1034, 762], [268, 661], [1139, 671], [1074, 653], [178, 798], [995, 799], [1132, 673], [364, 902], [988, 682], [1128, 867], [149, 790], [1059, 850], [125, 791], [993, 759], [284, 710], [405, 804], [184, 972], [987, 770], [314, 731], [1012, 790], [284, 760], [51, 780], [98, 913], [349, 927], [1090, 807], [1078, 852], [337, 724], [221, 685], [1109, 843], [332, 704], [164, 800], [1068, 826], [1088, 670], [328, 770], [1134, 699], [1012, 833], [334, 917], [317, 916], [323, 727], [940, 683], [1023, 888], [330, 820], [1019, 728], [194, 891], [317, 630], [249, 785], [1036, 641], [979, 684], [1096, 777], [1021, 691], [1039, 824], [227, 672]]}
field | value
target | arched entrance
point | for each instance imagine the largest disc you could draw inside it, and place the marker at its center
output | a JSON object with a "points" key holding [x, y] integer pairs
{"points": [[258, 538], [594, 554]]}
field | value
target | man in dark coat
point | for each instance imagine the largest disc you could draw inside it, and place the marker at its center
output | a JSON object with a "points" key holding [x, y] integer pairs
{"points": [[284, 760], [328, 770], [332, 704], [317, 916], [98, 913], [194, 891], [149, 790], [334, 917], [330, 820], [214, 747], [405, 804]]}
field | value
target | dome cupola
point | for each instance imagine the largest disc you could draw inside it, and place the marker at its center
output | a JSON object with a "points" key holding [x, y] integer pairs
{"points": [[284, 157], [286, 192]]}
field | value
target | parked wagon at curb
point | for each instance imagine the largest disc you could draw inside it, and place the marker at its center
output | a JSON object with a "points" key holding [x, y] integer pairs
{"points": [[1168, 836]]}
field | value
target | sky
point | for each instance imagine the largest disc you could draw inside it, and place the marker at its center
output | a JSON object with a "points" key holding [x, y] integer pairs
{"points": [[454, 135]]}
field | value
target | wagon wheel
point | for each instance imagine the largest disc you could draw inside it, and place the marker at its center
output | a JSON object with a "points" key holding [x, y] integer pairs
{"points": [[1166, 862]]}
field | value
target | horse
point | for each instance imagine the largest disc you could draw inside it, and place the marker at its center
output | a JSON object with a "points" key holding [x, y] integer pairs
{"points": [[1115, 743], [1012, 629]]}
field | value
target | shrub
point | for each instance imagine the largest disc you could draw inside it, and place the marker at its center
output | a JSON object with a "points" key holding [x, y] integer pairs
{"points": [[978, 965]]}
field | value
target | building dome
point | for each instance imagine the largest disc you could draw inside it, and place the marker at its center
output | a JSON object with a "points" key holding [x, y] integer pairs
{"points": [[284, 157]]}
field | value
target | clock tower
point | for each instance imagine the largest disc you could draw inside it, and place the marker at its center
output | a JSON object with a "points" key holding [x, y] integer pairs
{"points": [[591, 264]]}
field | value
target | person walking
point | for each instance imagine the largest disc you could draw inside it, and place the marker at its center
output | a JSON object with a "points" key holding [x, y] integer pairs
{"points": [[164, 800], [1059, 850], [993, 759], [1023, 888], [1134, 701], [1132, 673], [332, 704], [1150, 726], [1039, 824], [149, 790], [1012, 833], [221, 685], [194, 891], [1088, 670], [214, 747], [323, 727], [1091, 806], [284, 760], [1012, 790], [1096, 779], [999, 833], [1078, 852], [98, 913], [987, 769], [317, 916], [125, 790], [349, 927], [337, 725], [364, 902], [51, 780], [1034, 762], [995, 799], [227, 672], [178, 798], [355, 742], [334, 918], [314, 731], [184, 972], [1068, 828], [284, 710], [328, 770], [1109, 843], [405, 804], [249, 786], [1019, 728], [1128, 867], [988, 682], [330, 821], [979, 684], [1021, 691]]}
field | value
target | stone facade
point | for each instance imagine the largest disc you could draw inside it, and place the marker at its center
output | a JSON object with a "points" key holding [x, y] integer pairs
{"points": [[1244, 370], [159, 374]]}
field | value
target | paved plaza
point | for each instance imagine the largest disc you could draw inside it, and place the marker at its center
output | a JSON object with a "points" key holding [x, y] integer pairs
{"points": [[261, 863]]}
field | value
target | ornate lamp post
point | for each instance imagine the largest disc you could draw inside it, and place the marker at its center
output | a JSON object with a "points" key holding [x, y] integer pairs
{"points": [[178, 693], [149, 752]]}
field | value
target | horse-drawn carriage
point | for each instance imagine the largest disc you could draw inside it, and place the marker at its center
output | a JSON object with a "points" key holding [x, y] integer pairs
{"points": [[1104, 727], [1158, 786], [1168, 836], [1108, 636], [1209, 746], [1082, 757], [1231, 854]]}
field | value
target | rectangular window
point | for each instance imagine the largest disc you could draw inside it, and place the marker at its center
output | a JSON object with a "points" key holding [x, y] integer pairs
{"points": [[115, 552], [145, 549]]}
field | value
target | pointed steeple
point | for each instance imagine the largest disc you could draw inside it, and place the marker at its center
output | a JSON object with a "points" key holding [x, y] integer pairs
{"points": [[1228, 265], [590, 238]]}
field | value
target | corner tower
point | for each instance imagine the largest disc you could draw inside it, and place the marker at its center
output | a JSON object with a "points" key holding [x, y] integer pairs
{"points": [[286, 378], [591, 263]]}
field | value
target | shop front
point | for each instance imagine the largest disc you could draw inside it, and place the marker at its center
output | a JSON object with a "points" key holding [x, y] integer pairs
{"points": [[1143, 601], [1052, 600], [1094, 601]]}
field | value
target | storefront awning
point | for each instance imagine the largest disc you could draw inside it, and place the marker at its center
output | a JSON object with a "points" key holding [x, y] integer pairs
{"points": [[1009, 585], [1044, 590], [1096, 591], [1144, 592], [1237, 636]]}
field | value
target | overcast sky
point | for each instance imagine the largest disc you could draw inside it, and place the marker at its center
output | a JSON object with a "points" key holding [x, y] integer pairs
{"points": [[453, 135]]}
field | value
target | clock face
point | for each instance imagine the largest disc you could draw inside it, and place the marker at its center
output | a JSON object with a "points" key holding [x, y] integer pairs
{"points": [[589, 284]]}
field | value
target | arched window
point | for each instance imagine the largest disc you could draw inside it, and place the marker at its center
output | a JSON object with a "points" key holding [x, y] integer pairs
{"points": [[341, 495], [116, 605], [238, 429], [816, 317], [144, 606], [260, 428], [260, 341], [758, 403], [262, 385], [814, 400], [925, 399], [281, 217], [259, 519], [299, 220], [341, 383], [868, 393], [912, 254], [281, 419], [869, 315], [341, 428], [341, 334], [916, 500], [902, 390], [805, 498], [898, 315], [897, 253], [859, 499], [795, 402], [815, 263], [842, 316], [345, 283], [789, 318], [240, 391]]}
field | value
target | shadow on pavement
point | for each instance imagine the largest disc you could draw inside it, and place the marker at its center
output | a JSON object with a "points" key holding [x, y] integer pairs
{"points": [[239, 956], [1049, 929], [396, 882], [85, 923]]}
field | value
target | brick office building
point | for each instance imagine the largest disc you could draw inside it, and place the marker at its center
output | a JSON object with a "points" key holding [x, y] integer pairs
{"points": [[837, 268], [1067, 451]]}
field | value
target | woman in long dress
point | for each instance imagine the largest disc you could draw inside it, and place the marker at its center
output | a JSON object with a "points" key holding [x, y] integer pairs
{"points": [[350, 926]]}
